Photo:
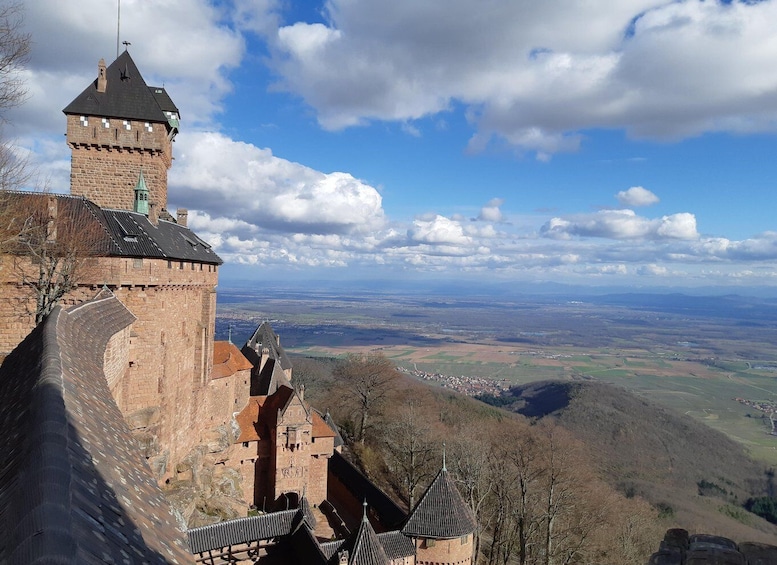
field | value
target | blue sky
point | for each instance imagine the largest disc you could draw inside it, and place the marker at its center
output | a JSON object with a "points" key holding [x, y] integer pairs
{"points": [[594, 143]]}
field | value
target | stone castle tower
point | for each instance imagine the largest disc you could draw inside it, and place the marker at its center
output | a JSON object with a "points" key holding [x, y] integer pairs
{"points": [[117, 128]]}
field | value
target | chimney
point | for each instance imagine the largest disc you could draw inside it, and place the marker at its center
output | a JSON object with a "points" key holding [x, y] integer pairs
{"points": [[102, 79], [182, 215], [153, 213], [51, 218]]}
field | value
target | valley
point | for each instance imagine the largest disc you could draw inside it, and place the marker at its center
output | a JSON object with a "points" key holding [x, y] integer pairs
{"points": [[713, 358]]}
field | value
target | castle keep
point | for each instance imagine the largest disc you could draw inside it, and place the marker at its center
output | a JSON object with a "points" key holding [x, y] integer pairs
{"points": [[117, 127]]}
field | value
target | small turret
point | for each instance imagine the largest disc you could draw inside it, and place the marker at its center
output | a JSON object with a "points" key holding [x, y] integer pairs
{"points": [[141, 195]]}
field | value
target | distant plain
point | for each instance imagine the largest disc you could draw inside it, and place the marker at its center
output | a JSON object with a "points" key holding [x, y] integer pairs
{"points": [[694, 354]]}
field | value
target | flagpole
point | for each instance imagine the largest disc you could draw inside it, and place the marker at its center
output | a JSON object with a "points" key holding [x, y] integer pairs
{"points": [[118, 27]]}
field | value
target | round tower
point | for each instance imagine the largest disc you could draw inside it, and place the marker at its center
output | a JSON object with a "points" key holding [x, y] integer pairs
{"points": [[441, 524]]}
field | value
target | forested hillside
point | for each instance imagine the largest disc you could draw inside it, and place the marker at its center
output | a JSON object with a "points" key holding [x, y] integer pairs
{"points": [[697, 477], [533, 486]]}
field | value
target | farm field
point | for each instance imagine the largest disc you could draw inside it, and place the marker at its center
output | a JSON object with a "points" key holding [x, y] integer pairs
{"points": [[692, 355]]}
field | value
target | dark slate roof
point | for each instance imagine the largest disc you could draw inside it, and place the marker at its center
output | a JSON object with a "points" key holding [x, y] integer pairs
{"points": [[441, 513], [396, 545], [163, 99], [242, 530], [74, 486], [363, 546], [135, 236], [338, 442], [126, 96], [121, 233], [361, 488], [329, 548], [265, 337], [305, 548]]}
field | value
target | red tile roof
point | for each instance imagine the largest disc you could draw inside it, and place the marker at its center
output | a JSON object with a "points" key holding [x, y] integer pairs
{"points": [[227, 360]]}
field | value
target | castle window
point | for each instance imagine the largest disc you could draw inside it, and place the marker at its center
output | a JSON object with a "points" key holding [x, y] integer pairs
{"points": [[127, 125], [149, 127], [84, 121], [192, 266], [180, 266], [137, 263], [169, 264], [106, 123]]}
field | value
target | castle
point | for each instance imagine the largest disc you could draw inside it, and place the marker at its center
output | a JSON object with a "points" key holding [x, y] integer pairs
{"points": [[122, 389]]}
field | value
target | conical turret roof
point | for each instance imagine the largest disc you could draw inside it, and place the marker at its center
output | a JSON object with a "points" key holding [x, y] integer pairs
{"points": [[441, 512], [366, 548]]}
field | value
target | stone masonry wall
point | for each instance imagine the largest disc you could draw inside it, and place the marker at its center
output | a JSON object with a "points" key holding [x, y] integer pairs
{"points": [[169, 299], [106, 161], [116, 357], [318, 471], [457, 551], [292, 450]]}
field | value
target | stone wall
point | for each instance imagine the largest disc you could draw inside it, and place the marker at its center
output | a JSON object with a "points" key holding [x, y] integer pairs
{"points": [[116, 358], [321, 450], [107, 155], [170, 354], [457, 551]]}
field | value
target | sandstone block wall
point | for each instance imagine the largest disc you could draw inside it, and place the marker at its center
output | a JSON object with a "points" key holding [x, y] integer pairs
{"points": [[321, 450], [457, 551], [226, 396], [107, 155], [170, 354], [292, 450], [116, 357]]}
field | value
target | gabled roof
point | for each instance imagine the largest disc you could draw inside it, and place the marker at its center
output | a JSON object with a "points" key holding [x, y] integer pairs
{"points": [[117, 233], [441, 512], [75, 487], [265, 338], [126, 96]]}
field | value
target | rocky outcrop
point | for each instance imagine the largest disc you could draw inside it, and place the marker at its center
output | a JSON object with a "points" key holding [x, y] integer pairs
{"points": [[204, 490], [679, 548]]}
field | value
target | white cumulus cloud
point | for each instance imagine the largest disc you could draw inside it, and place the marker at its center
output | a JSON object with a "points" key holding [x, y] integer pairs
{"points": [[636, 197]]}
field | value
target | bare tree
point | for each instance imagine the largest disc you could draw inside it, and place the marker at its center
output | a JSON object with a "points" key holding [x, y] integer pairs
{"points": [[14, 53], [411, 449], [51, 246], [364, 381]]}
